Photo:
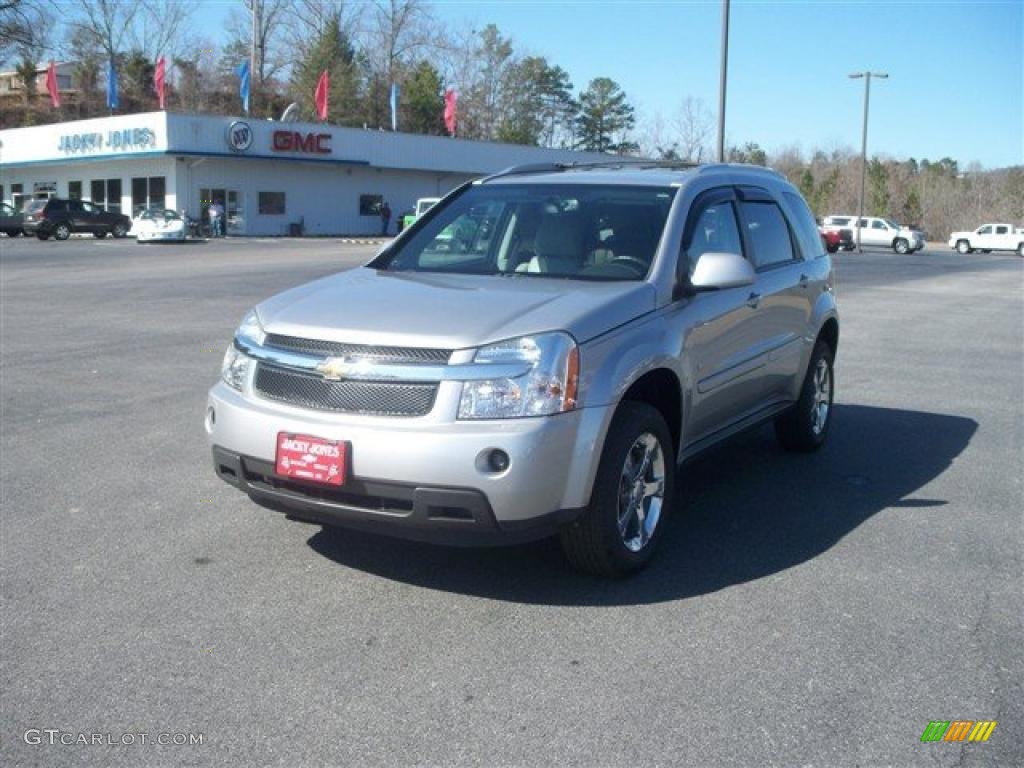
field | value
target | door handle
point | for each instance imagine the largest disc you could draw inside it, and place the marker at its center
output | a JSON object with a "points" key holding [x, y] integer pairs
{"points": [[804, 280], [753, 300]]}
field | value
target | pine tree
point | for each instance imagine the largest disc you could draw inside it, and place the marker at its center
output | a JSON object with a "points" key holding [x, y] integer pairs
{"points": [[604, 118], [334, 52], [421, 102]]}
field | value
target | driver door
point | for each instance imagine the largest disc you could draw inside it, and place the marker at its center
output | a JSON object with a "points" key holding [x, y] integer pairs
{"points": [[722, 351]]}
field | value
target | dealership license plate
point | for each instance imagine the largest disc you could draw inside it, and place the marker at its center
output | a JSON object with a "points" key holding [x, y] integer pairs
{"points": [[313, 459]]}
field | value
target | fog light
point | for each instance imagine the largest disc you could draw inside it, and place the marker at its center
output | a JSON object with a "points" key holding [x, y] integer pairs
{"points": [[497, 461]]}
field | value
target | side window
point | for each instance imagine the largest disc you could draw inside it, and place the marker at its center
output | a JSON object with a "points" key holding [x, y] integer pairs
{"points": [[987, 230], [1002, 230], [878, 224], [806, 230], [715, 231], [75, 206], [768, 233]]}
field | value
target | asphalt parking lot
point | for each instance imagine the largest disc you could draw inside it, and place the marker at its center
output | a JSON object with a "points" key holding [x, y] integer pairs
{"points": [[804, 610]]}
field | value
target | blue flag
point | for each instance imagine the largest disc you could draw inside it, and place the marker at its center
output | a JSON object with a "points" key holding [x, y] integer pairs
{"points": [[112, 100], [394, 106], [243, 84]]}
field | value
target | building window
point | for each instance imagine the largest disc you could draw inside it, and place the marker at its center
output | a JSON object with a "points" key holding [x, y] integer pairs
{"points": [[157, 191], [17, 196], [98, 192], [114, 195], [370, 205], [147, 192], [271, 203], [75, 190]]}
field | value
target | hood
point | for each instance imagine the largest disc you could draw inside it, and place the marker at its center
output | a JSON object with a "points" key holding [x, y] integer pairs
{"points": [[368, 306]]}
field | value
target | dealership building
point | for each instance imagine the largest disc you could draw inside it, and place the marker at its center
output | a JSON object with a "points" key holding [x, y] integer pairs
{"points": [[273, 178]]}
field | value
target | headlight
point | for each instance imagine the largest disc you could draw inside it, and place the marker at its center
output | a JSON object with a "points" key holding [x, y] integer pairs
{"points": [[549, 386], [235, 368], [250, 329]]}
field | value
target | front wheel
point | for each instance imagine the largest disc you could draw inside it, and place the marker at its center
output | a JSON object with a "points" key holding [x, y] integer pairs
{"points": [[1020, 249], [61, 232], [901, 246], [119, 231], [620, 528], [42, 236], [962, 246], [804, 427], [99, 234]]}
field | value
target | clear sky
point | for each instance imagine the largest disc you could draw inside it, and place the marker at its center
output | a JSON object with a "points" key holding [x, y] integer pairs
{"points": [[956, 69]]}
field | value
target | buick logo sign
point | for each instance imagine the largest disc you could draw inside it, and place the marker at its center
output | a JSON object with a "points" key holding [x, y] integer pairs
{"points": [[239, 136]]}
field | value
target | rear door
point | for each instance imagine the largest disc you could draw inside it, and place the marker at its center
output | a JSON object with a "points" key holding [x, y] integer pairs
{"points": [[1002, 238], [778, 243]]}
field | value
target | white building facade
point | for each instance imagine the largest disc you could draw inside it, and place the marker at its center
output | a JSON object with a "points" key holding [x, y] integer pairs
{"points": [[272, 178]]}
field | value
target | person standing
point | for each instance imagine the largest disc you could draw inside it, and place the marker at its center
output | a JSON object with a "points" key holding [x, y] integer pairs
{"points": [[216, 219], [385, 217]]}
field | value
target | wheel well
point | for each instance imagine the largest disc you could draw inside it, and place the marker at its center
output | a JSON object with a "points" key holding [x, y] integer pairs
{"points": [[829, 333], [660, 389]]}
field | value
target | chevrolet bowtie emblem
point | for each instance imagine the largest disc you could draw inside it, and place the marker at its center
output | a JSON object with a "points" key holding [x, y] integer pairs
{"points": [[335, 368]]}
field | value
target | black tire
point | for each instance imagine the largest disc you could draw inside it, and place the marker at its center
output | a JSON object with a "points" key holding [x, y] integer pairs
{"points": [[1020, 249], [119, 231], [901, 246], [832, 247], [13, 232], [61, 231], [99, 234], [593, 543], [797, 429], [962, 246], [42, 236]]}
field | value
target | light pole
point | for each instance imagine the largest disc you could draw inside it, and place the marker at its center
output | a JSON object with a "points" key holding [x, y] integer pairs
{"points": [[867, 75], [722, 79]]}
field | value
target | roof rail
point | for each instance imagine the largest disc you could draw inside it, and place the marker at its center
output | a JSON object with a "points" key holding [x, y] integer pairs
{"points": [[611, 162]]}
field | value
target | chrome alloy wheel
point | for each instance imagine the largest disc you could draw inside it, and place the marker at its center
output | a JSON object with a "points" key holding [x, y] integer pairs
{"points": [[641, 492], [821, 403]]}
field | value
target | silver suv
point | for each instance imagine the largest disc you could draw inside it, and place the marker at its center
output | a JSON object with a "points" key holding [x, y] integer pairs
{"points": [[539, 353]]}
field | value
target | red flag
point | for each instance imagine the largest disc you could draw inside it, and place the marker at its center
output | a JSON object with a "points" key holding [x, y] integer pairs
{"points": [[158, 80], [451, 112], [323, 87], [51, 84]]}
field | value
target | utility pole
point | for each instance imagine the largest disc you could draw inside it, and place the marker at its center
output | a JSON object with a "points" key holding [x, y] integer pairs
{"points": [[867, 75], [723, 75]]}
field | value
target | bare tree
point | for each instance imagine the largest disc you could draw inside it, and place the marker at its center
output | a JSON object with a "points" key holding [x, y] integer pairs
{"points": [[693, 125], [24, 25]]}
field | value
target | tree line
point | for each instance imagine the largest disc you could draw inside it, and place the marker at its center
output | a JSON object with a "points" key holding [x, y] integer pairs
{"points": [[503, 94]]}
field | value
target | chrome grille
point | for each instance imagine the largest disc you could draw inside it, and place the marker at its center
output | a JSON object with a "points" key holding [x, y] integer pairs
{"points": [[381, 398], [403, 355]]}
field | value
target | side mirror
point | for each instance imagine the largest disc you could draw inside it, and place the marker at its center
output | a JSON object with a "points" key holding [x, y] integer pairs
{"points": [[718, 271]]}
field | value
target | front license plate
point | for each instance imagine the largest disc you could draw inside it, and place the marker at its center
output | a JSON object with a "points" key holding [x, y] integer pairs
{"points": [[313, 459]]}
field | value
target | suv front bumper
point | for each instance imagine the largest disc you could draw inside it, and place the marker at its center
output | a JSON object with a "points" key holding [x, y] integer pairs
{"points": [[416, 477]]}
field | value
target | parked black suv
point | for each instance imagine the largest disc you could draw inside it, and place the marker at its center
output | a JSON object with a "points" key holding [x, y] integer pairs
{"points": [[59, 217]]}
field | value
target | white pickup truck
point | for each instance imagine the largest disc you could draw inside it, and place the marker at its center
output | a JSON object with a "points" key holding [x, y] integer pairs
{"points": [[990, 237]]}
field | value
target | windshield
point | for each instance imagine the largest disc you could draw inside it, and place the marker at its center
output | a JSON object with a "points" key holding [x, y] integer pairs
{"points": [[893, 224], [582, 231]]}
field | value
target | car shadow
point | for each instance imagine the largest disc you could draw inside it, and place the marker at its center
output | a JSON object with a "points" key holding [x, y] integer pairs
{"points": [[744, 511]]}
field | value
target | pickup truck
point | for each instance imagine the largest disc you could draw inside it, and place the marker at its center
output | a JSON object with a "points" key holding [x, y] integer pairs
{"points": [[878, 233], [423, 205], [990, 237]]}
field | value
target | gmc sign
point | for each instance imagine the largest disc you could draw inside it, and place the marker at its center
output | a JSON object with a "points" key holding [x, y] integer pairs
{"points": [[293, 141]]}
